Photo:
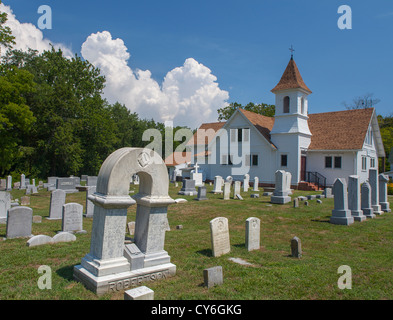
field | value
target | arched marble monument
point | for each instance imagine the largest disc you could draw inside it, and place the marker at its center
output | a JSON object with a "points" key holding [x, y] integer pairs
{"points": [[111, 265]]}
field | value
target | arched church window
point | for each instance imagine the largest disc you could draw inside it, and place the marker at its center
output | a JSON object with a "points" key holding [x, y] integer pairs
{"points": [[286, 104]]}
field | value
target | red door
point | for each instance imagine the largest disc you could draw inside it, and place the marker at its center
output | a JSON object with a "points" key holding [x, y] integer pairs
{"points": [[303, 165]]}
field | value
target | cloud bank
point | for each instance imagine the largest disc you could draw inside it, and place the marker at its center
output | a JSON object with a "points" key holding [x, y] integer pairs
{"points": [[188, 95]]}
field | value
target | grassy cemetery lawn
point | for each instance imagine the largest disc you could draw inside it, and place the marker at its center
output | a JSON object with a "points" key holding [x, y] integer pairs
{"points": [[367, 248]]}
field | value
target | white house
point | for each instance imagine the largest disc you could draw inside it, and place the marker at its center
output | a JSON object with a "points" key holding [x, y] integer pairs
{"points": [[315, 148]]}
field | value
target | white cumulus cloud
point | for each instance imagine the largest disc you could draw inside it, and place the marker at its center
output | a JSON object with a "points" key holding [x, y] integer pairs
{"points": [[28, 35], [188, 95]]}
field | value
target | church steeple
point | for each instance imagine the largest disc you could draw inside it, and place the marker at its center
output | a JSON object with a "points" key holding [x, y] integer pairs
{"points": [[291, 79]]}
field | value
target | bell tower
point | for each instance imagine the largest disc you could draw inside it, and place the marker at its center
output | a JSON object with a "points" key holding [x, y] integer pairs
{"points": [[291, 134]]}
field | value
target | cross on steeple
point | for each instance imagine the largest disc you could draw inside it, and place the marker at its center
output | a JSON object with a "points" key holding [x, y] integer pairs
{"points": [[292, 50]]}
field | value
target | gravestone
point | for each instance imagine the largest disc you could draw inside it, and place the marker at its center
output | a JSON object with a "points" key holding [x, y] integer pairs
{"points": [[253, 234], [227, 190], [37, 219], [188, 188], [373, 180], [218, 183], [256, 185], [140, 293], [201, 194], [197, 176], [296, 248], [63, 237], [280, 194], [254, 195], [288, 181], [25, 201], [22, 181], [383, 193], [296, 203], [89, 205], [131, 228], [236, 188], [19, 222], [91, 181], [354, 199], [9, 183], [328, 193], [212, 277], [3, 184], [340, 214], [31, 189], [72, 217], [39, 240], [57, 200], [5, 204], [110, 265], [220, 236], [52, 180], [229, 179], [246, 182], [66, 184]]}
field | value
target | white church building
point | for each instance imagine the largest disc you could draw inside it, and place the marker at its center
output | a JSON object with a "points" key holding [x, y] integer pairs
{"points": [[315, 148]]}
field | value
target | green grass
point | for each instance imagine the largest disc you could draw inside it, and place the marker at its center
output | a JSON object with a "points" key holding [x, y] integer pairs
{"points": [[366, 247]]}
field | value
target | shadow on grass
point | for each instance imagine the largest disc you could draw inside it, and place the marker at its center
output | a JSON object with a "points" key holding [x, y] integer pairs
{"points": [[66, 272], [206, 252], [322, 219], [240, 245]]}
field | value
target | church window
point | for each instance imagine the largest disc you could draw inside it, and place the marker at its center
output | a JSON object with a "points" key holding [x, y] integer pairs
{"points": [[302, 105], [286, 104], [364, 163], [372, 162], [328, 162], [284, 160], [337, 162]]}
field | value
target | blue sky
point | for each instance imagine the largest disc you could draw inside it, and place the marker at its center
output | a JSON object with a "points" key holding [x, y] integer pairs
{"points": [[244, 43]]}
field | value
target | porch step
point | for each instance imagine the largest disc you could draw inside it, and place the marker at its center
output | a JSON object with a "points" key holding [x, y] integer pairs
{"points": [[308, 186]]}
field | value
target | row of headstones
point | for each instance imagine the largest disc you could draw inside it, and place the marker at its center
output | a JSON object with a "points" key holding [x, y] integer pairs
{"points": [[20, 220], [58, 199], [355, 202], [219, 183]]}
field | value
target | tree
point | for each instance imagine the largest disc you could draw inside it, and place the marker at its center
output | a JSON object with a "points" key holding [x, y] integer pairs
{"points": [[16, 118], [362, 102], [6, 37], [262, 108]]}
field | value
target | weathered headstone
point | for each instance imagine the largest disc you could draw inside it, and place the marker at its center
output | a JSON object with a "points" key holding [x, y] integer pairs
{"points": [[72, 218], [220, 236], [296, 203], [89, 205], [188, 188], [64, 237], [9, 183], [197, 176], [39, 240], [131, 228], [201, 194], [19, 222], [25, 201], [139, 293], [327, 193], [91, 181], [66, 184], [3, 184], [246, 182], [354, 199], [366, 207], [280, 194], [57, 200], [37, 219], [31, 189], [218, 183], [52, 180], [227, 190], [373, 180], [22, 181], [213, 277], [229, 179], [256, 185], [109, 266], [340, 214], [383, 193], [296, 248], [253, 234], [5, 204], [236, 188], [288, 181]]}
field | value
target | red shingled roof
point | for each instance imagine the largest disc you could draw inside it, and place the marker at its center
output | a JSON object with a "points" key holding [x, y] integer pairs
{"points": [[291, 79]]}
